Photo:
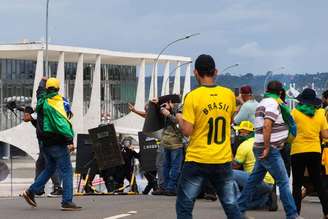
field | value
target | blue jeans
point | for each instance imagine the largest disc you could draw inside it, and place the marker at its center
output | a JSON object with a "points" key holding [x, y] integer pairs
{"points": [[56, 156], [275, 165], [192, 177], [262, 191], [40, 164], [172, 168]]}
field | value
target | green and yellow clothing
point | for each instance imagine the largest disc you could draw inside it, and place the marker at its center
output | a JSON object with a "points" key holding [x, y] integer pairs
{"points": [[308, 131], [245, 156]]}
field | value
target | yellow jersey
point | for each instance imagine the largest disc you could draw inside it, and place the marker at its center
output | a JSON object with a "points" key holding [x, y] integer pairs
{"points": [[209, 109], [308, 131], [245, 156]]}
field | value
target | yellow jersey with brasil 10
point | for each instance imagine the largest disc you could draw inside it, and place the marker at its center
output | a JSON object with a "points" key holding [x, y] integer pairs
{"points": [[210, 110]]}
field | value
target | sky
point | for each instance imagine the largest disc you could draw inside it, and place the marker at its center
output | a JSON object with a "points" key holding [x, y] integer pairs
{"points": [[259, 35]]}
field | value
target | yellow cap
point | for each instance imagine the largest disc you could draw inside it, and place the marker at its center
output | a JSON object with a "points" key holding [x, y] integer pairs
{"points": [[53, 82], [245, 125]]}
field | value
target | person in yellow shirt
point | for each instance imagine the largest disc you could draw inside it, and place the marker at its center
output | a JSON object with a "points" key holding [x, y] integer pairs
{"points": [[306, 149], [206, 119], [265, 196]]}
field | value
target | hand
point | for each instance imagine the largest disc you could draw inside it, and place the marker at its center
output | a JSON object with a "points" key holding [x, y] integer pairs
{"points": [[131, 107], [265, 153], [239, 98], [178, 116], [44, 78], [165, 112], [71, 148]]}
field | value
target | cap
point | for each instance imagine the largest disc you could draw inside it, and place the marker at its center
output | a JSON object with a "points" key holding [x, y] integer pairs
{"points": [[246, 89], [53, 82], [245, 125]]}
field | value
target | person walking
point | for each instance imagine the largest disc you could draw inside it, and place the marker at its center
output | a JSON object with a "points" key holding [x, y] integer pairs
{"points": [[306, 147], [206, 118], [56, 134], [31, 116], [271, 132]]}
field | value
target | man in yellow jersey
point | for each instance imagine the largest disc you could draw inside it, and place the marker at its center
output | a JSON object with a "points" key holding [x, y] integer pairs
{"points": [[206, 118]]}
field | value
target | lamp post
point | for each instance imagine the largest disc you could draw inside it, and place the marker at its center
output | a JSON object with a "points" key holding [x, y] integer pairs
{"points": [[269, 75], [226, 68], [47, 62], [161, 52], [167, 80]]}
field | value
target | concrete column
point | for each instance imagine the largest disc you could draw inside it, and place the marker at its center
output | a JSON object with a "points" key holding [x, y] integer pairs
{"points": [[166, 79], [38, 75], [92, 117], [186, 87], [77, 104], [61, 72], [140, 96], [176, 86], [153, 83]]}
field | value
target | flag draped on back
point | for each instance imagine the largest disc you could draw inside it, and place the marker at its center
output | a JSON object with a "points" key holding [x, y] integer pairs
{"points": [[54, 115], [287, 117]]}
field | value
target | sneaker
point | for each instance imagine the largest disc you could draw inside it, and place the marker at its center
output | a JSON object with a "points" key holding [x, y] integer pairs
{"points": [[146, 190], [57, 192], [273, 201], [29, 198], [159, 191], [70, 206]]}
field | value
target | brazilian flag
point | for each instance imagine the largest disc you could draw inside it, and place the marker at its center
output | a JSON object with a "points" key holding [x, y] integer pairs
{"points": [[55, 118]]}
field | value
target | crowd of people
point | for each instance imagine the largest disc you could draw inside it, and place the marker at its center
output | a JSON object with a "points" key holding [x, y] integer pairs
{"points": [[197, 155]]}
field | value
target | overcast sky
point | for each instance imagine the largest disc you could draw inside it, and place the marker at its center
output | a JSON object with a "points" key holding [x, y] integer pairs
{"points": [[259, 35]]}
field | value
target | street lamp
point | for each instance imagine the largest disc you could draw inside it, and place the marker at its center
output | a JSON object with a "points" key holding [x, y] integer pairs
{"points": [[269, 75], [161, 52], [167, 80], [230, 66], [226, 68], [47, 62]]}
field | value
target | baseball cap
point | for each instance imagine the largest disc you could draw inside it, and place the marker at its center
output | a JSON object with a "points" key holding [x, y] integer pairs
{"points": [[245, 125], [246, 89], [53, 82]]}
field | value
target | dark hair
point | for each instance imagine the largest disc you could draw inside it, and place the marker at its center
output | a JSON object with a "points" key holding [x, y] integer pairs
{"points": [[205, 65], [274, 87], [28, 110], [325, 94]]}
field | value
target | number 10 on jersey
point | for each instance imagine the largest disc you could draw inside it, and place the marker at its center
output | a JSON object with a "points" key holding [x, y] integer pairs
{"points": [[217, 130]]}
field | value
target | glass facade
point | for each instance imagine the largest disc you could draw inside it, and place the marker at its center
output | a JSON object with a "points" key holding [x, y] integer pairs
{"points": [[118, 87]]}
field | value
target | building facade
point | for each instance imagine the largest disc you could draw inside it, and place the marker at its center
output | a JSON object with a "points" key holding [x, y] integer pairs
{"points": [[98, 83]]}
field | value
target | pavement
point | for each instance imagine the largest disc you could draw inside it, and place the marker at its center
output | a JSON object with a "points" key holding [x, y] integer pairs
{"points": [[113, 207], [130, 207]]}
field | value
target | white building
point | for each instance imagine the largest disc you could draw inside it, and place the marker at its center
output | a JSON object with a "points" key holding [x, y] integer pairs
{"points": [[22, 67]]}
